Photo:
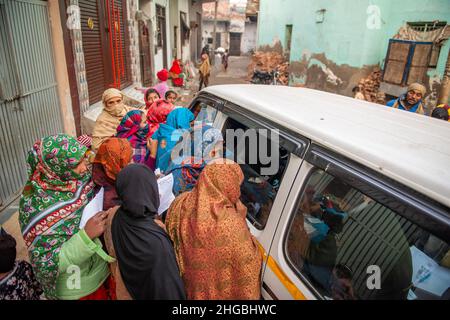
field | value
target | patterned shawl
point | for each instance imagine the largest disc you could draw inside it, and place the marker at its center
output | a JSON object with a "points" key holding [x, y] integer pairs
{"points": [[107, 122], [157, 114], [215, 250], [130, 129], [52, 203]]}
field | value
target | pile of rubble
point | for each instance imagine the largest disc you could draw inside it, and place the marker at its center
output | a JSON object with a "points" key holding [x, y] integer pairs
{"points": [[370, 87], [268, 61]]}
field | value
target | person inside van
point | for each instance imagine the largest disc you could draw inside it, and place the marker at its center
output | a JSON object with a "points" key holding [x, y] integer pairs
{"points": [[412, 100]]}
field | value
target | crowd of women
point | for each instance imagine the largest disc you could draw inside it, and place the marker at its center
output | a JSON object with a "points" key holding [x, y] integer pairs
{"points": [[200, 248]]}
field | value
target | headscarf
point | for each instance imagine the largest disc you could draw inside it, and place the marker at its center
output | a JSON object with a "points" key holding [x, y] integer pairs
{"points": [[186, 168], [112, 156], [417, 87], [109, 119], [157, 114], [52, 203], [144, 252], [163, 75], [169, 133], [175, 69], [216, 253], [130, 129], [148, 103]]}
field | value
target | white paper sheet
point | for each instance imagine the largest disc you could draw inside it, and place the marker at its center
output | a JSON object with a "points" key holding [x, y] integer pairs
{"points": [[438, 280], [166, 196], [96, 205]]}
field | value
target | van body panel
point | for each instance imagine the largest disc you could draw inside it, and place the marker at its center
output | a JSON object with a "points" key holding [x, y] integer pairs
{"points": [[409, 148]]}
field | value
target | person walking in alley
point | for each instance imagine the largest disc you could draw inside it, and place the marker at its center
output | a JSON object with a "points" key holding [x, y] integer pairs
{"points": [[17, 279], [58, 189], [204, 71], [410, 101], [225, 60], [217, 255], [146, 266], [113, 111], [112, 156]]}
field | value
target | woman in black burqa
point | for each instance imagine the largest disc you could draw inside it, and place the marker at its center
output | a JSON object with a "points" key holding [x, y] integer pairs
{"points": [[144, 251]]}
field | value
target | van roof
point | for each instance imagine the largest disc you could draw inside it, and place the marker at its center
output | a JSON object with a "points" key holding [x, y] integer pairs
{"points": [[410, 148]]}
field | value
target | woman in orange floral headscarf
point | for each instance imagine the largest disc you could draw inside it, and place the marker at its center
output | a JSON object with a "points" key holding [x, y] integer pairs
{"points": [[112, 156], [217, 255]]}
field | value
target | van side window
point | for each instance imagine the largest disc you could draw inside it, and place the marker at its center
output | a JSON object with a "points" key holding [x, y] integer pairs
{"points": [[204, 113], [258, 191], [349, 246]]}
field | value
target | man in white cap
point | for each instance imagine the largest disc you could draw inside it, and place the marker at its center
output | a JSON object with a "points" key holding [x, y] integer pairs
{"points": [[410, 101]]}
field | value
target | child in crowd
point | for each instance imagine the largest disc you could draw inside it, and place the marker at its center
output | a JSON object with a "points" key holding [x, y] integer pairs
{"points": [[17, 280], [151, 95], [171, 96]]}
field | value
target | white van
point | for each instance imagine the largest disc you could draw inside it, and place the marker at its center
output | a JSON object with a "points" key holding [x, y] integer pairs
{"points": [[359, 205]]}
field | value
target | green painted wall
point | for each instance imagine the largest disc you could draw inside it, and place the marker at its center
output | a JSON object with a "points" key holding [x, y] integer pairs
{"points": [[344, 35]]}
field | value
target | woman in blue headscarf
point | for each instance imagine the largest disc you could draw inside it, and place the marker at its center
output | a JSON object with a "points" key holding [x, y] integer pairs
{"points": [[168, 134], [202, 145]]}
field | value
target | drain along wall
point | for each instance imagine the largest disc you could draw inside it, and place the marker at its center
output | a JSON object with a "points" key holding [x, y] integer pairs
{"points": [[333, 49]]}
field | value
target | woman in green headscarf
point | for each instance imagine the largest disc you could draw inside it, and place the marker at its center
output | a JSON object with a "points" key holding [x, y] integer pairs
{"points": [[68, 261]]}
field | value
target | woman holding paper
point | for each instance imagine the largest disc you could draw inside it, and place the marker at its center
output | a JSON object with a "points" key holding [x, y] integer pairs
{"points": [[58, 189], [217, 255], [146, 267]]}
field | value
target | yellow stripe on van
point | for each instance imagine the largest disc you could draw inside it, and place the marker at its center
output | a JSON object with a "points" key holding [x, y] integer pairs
{"points": [[284, 279]]}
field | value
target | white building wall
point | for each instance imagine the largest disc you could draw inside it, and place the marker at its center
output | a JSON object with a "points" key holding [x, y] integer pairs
{"points": [[248, 41], [208, 32], [159, 57]]}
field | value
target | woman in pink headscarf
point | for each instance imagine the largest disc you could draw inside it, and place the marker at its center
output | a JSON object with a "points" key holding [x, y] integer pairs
{"points": [[156, 114]]}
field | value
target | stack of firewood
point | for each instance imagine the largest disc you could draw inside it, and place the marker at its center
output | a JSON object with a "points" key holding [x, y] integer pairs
{"points": [[370, 87]]}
